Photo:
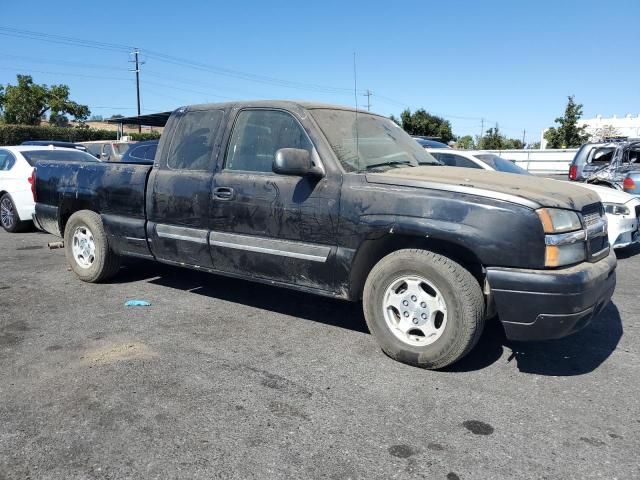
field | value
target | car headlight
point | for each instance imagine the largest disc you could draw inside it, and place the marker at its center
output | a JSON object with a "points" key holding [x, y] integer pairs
{"points": [[564, 239], [556, 220], [616, 209]]}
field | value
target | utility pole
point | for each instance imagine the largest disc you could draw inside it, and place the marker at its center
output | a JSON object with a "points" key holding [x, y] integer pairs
{"points": [[135, 60], [481, 131], [368, 95], [524, 134]]}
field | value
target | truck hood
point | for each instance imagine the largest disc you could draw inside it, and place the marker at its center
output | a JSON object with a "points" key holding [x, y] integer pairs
{"points": [[527, 190]]}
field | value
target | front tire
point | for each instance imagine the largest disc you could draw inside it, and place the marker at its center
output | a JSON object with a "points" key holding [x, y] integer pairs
{"points": [[423, 308], [9, 216], [87, 248]]}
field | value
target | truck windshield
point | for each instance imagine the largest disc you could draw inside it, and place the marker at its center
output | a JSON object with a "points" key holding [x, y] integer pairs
{"points": [[67, 155], [364, 142]]}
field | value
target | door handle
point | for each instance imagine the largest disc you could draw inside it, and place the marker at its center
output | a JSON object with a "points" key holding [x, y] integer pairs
{"points": [[223, 193]]}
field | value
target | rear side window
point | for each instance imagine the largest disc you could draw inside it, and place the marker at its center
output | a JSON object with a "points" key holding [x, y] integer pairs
{"points": [[138, 153], [193, 141], [150, 154], [258, 135], [7, 160], [601, 156], [455, 160]]}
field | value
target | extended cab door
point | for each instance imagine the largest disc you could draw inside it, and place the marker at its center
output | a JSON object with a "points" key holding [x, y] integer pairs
{"points": [[179, 192], [271, 226]]}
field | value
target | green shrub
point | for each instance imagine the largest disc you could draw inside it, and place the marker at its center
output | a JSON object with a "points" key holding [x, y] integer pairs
{"points": [[16, 134], [139, 137]]}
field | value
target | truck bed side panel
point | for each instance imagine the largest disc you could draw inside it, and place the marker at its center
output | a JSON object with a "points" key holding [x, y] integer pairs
{"points": [[116, 191]]}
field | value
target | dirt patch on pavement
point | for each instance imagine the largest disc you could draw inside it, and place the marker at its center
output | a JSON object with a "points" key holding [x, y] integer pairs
{"points": [[118, 353]]}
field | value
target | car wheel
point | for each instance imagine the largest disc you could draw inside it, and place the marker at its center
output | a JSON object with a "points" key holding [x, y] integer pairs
{"points": [[9, 216], [423, 308], [87, 248]]}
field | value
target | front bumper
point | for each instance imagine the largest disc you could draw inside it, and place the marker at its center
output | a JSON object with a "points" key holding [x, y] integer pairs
{"points": [[623, 229], [547, 304]]}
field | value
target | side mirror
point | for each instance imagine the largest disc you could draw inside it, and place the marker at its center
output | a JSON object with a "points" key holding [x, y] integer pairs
{"points": [[295, 161]]}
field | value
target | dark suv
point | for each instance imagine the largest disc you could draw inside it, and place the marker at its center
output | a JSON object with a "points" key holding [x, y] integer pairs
{"points": [[605, 163]]}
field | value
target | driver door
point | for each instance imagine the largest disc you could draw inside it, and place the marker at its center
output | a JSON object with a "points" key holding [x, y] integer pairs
{"points": [[271, 226]]}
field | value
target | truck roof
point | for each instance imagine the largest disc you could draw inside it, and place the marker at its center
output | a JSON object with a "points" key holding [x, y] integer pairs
{"points": [[286, 104]]}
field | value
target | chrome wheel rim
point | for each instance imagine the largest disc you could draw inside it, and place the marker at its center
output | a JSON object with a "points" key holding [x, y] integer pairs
{"points": [[7, 214], [83, 247], [414, 310]]}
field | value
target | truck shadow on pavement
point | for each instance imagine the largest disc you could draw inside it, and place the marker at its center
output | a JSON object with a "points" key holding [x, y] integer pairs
{"points": [[577, 354]]}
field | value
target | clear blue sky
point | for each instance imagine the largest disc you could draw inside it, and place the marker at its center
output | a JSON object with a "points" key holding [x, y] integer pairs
{"points": [[513, 62]]}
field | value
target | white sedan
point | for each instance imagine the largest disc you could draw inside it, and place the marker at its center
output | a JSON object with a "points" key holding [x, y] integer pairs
{"points": [[622, 209], [16, 168]]}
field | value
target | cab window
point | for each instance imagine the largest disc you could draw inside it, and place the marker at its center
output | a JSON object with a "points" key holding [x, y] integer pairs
{"points": [[193, 142], [258, 135]]}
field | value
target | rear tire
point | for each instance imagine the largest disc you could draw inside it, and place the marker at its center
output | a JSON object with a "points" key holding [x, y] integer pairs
{"points": [[87, 248], [423, 308], [9, 216]]}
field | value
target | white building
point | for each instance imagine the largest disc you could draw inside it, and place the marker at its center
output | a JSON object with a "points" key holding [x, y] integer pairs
{"points": [[599, 127]]}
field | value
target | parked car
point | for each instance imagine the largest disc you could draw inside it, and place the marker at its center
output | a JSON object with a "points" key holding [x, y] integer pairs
{"points": [[108, 151], [344, 204], [622, 209], [430, 143], [141, 152], [16, 182], [631, 184], [55, 143], [606, 163]]}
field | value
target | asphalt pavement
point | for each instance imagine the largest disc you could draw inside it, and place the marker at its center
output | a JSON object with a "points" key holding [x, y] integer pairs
{"points": [[223, 378]]}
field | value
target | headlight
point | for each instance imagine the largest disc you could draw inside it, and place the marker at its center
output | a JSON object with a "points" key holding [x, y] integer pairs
{"points": [[564, 239], [559, 255], [616, 209], [555, 220]]}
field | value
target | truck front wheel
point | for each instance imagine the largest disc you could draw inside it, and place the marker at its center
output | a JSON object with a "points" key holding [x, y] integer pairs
{"points": [[87, 248], [423, 308]]}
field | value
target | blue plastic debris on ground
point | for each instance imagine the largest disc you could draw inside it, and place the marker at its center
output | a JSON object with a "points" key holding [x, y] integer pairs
{"points": [[137, 303]]}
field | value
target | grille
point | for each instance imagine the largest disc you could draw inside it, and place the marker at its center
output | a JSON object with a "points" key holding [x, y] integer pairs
{"points": [[592, 214], [591, 218]]}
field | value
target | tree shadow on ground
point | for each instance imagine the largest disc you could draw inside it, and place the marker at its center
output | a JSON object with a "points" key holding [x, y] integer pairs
{"points": [[577, 354]]}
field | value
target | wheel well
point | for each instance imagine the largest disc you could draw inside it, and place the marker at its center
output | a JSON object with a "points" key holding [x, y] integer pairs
{"points": [[69, 208], [372, 251]]}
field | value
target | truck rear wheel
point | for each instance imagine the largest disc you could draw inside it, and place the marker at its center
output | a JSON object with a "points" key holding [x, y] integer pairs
{"points": [[87, 248], [423, 308]]}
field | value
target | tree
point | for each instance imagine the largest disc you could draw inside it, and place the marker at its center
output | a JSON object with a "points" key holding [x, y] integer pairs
{"points": [[492, 139], [568, 134], [512, 144], [466, 142], [423, 123], [27, 102], [58, 120], [96, 118], [395, 120]]}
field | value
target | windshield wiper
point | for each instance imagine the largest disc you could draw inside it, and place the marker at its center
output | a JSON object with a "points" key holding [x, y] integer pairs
{"points": [[387, 164]]}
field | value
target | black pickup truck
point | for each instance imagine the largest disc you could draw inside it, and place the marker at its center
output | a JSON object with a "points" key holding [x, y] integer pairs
{"points": [[345, 204]]}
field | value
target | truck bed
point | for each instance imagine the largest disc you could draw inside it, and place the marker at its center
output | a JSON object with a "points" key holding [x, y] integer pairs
{"points": [[116, 190]]}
